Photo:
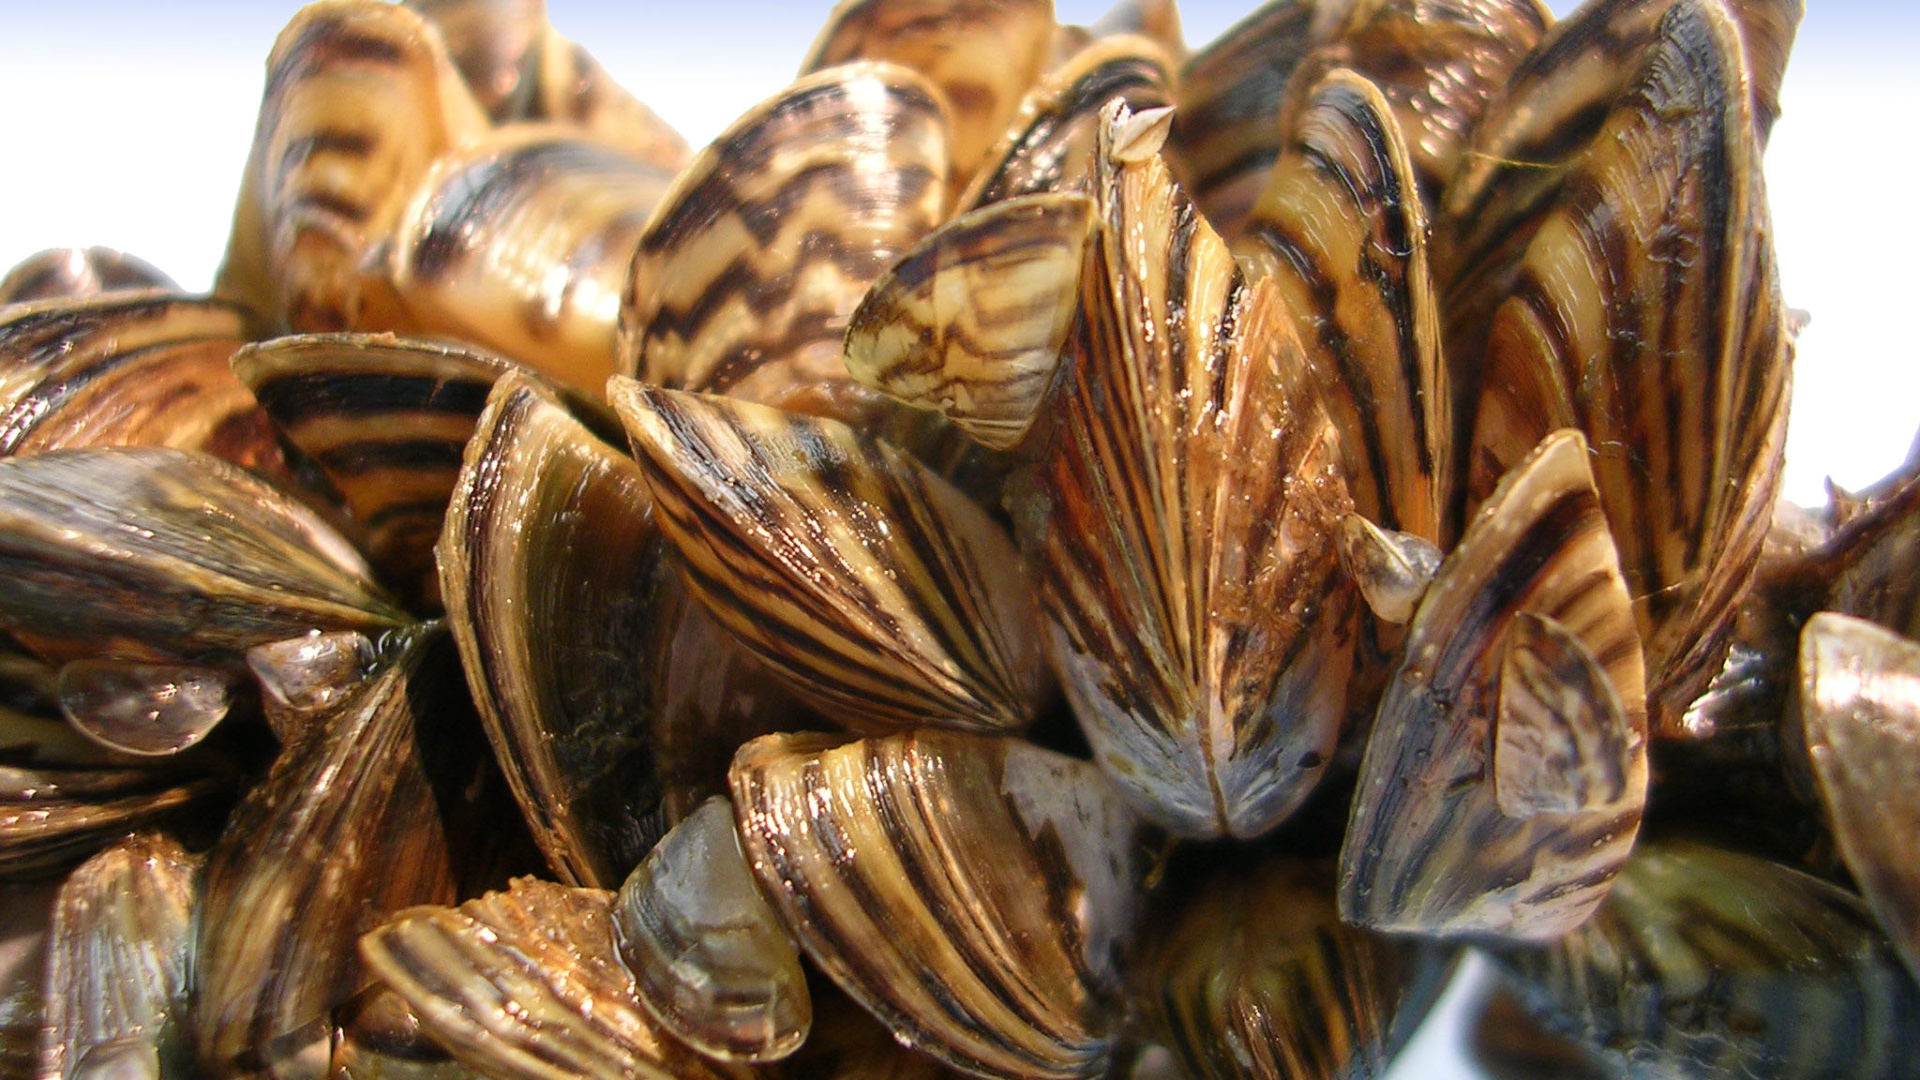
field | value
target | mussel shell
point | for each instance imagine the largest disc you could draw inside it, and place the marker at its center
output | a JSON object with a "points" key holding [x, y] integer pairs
{"points": [[75, 272], [526, 985], [522, 241], [1859, 724], [1049, 143], [153, 553], [982, 56], [23, 965], [1706, 963], [386, 419], [121, 945], [712, 961], [52, 818], [883, 595], [1254, 975], [344, 830], [496, 46], [754, 260], [1646, 312], [560, 597], [360, 98], [971, 323], [973, 893], [1341, 230], [139, 369], [1507, 772], [1185, 514]]}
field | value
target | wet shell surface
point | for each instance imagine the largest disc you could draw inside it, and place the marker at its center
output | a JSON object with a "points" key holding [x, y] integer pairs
{"points": [[1208, 674], [994, 886], [1507, 773]]}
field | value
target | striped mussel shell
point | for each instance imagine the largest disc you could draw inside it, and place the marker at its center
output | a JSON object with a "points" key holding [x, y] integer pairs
{"points": [[155, 554], [1705, 962], [1506, 775], [1048, 144], [130, 368], [759, 252], [884, 596], [847, 1043], [526, 984], [521, 241], [361, 98], [1185, 512], [981, 55], [345, 829], [711, 959], [1646, 311], [974, 894], [53, 816], [1859, 724], [1436, 63], [385, 419], [71, 273], [120, 946], [1256, 976], [575, 635], [972, 322], [520, 70], [1340, 229]]}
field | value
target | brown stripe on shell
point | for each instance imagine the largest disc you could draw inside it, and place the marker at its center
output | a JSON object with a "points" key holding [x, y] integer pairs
{"points": [[1257, 977], [344, 830], [1341, 230], [1438, 64], [1536, 134], [1186, 518], [552, 569], [1647, 313], [1048, 145], [521, 241], [119, 951], [883, 595], [526, 985], [1227, 132], [970, 892], [1429, 847], [754, 260], [53, 817], [981, 55], [386, 419], [360, 98], [153, 553], [138, 369], [572, 88], [971, 322], [71, 273], [1859, 721], [1704, 962]]}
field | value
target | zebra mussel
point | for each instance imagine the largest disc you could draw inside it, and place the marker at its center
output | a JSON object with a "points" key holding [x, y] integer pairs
{"points": [[1039, 552]]}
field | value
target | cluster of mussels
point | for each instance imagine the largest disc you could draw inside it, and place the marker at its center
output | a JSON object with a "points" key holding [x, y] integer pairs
{"points": [[1038, 553]]}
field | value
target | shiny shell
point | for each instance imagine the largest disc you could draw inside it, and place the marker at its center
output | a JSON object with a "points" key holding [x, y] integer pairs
{"points": [[525, 985], [713, 962], [885, 596], [77, 272], [1507, 773], [1185, 517], [994, 885], [750, 267]]}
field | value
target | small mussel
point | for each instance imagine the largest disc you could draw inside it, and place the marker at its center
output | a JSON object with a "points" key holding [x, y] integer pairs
{"points": [[1706, 963]]}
